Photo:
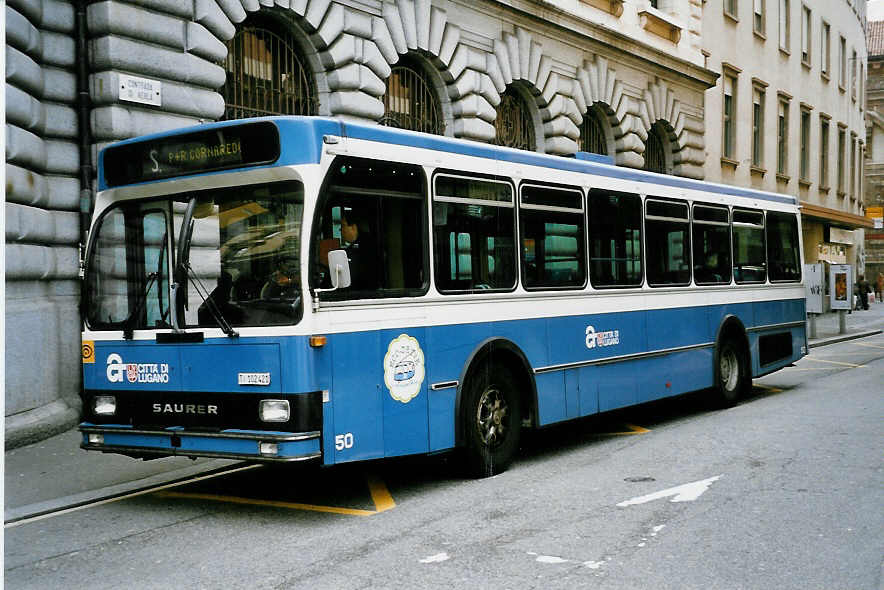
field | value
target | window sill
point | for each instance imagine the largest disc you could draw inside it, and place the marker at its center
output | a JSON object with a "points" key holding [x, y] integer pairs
{"points": [[614, 7], [731, 17], [731, 163], [785, 51], [660, 24], [841, 194], [760, 34], [804, 183], [825, 77], [806, 64], [783, 178], [758, 170], [825, 189]]}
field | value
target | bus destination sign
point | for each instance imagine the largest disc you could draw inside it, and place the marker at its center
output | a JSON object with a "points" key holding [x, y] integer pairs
{"points": [[249, 144]]}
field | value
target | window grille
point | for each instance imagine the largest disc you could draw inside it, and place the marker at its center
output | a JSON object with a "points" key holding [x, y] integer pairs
{"points": [[266, 75], [513, 125], [655, 156], [411, 103], [592, 135]]}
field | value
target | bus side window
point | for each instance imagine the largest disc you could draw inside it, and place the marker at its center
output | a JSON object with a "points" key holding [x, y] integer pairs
{"points": [[750, 261], [712, 247], [551, 227], [473, 234], [615, 239], [374, 210], [667, 233]]}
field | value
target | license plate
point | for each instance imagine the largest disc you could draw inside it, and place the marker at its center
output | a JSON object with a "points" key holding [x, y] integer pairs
{"points": [[254, 379]]}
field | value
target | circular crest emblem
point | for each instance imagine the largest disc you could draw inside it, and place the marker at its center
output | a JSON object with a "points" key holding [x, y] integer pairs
{"points": [[404, 368]]}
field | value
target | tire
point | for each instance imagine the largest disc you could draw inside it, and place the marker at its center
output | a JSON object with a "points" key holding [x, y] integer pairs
{"points": [[732, 374], [492, 421]]}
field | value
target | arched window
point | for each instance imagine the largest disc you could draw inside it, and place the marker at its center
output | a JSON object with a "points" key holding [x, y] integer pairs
{"points": [[514, 126], [410, 101], [655, 149], [592, 134], [266, 75]]}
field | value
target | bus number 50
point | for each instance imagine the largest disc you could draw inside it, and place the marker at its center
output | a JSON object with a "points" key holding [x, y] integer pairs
{"points": [[344, 441]]}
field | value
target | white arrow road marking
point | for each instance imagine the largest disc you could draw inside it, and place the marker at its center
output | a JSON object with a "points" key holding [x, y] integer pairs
{"points": [[684, 493], [436, 558]]}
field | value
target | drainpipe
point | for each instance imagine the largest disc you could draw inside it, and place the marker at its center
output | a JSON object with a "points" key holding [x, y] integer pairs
{"points": [[84, 105]]}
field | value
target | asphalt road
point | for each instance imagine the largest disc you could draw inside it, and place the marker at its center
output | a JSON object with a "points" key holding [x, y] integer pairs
{"points": [[785, 490]]}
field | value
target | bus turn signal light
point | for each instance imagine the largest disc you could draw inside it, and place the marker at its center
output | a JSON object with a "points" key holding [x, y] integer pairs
{"points": [[318, 341]]}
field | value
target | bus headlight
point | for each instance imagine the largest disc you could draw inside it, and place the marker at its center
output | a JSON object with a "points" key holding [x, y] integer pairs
{"points": [[274, 410], [104, 405]]}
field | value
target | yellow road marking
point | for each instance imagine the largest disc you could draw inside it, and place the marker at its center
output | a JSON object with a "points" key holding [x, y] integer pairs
{"points": [[869, 345], [633, 429], [273, 503], [380, 496], [819, 360], [768, 388]]}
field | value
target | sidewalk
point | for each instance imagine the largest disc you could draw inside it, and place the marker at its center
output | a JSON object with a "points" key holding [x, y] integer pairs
{"points": [[56, 473]]}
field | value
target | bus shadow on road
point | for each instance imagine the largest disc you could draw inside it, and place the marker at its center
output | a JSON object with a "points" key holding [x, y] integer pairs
{"points": [[372, 487]]}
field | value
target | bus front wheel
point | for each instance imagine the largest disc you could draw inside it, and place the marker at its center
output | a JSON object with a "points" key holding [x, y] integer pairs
{"points": [[733, 376], [492, 419]]}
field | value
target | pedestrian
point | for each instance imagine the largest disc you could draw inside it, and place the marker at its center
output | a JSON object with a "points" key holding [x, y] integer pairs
{"points": [[879, 287], [863, 288]]}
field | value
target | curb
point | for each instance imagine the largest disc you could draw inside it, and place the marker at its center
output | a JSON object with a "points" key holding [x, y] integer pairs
{"points": [[39, 424], [843, 338]]}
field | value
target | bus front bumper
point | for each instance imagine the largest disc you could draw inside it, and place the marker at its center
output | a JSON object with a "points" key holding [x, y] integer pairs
{"points": [[244, 445]]}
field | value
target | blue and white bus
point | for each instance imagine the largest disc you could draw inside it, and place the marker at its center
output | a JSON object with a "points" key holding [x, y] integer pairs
{"points": [[296, 288]]}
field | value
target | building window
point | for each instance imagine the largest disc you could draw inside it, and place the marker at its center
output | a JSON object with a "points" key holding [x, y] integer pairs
{"points": [[592, 134], [783, 136], [804, 164], [842, 146], [806, 31], [851, 166], [758, 16], [655, 150], [842, 63], [825, 52], [266, 75], [854, 64], [784, 25], [824, 153], [728, 139], [758, 126], [410, 101], [514, 126], [730, 8]]}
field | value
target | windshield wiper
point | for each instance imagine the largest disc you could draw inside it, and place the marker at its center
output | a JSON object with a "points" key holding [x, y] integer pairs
{"points": [[183, 271], [208, 301], [128, 324]]}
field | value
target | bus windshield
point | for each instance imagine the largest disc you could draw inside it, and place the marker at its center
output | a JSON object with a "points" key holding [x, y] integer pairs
{"points": [[243, 265]]}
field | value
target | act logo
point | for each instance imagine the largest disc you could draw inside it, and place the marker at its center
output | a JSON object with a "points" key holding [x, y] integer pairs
{"points": [[135, 372], [600, 339]]}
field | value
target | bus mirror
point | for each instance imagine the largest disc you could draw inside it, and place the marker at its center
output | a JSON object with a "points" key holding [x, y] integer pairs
{"points": [[339, 267]]}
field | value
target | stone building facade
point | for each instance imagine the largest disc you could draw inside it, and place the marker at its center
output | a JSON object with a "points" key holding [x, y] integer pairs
{"points": [[787, 114], [631, 74], [874, 177]]}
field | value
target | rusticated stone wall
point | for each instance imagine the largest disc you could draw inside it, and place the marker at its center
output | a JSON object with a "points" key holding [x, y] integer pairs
{"points": [[566, 65]]}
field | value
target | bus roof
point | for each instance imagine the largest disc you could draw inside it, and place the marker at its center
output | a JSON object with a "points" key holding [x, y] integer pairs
{"points": [[311, 130]]}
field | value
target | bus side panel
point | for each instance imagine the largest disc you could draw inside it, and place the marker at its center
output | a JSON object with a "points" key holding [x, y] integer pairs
{"points": [[550, 397], [322, 358], [357, 382], [681, 372], [404, 391], [616, 385]]}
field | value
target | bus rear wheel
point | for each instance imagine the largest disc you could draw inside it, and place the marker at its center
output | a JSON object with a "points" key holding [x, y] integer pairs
{"points": [[492, 421], [733, 376]]}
